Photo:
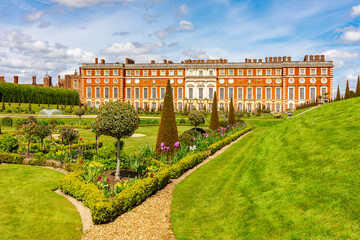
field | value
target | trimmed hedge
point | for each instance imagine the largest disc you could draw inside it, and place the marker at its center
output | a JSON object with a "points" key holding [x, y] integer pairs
{"points": [[87, 145], [11, 158]]}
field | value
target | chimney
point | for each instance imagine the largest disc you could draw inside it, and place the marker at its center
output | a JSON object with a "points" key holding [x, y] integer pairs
{"points": [[254, 60], [80, 73], [279, 59], [193, 61], [207, 61], [102, 61], [284, 59], [2, 79], [317, 57], [249, 60], [311, 57], [306, 58], [289, 59], [225, 60], [34, 80], [260, 60], [221, 61], [246, 60], [16, 79], [322, 58], [96, 61], [197, 61], [270, 59], [212, 61], [59, 81], [266, 59], [202, 61], [182, 62], [217, 61], [165, 61]]}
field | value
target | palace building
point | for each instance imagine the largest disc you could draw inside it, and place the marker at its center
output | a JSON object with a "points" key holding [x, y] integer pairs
{"points": [[277, 83]]}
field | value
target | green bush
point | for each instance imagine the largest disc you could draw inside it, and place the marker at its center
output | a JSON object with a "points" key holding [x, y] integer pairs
{"points": [[188, 162], [11, 158], [38, 162], [9, 143], [6, 121]]}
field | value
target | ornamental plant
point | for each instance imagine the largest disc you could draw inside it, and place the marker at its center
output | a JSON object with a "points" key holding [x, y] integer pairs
{"points": [[9, 143], [79, 112], [347, 91], [118, 120], [357, 92], [196, 118], [167, 133], [97, 133], [231, 117], [69, 134], [42, 132], [214, 119], [30, 130]]}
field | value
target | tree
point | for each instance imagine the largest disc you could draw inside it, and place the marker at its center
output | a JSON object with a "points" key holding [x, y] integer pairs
{"points": [[347, 91], [29, 106], [79, 112], [196, 118], [69, 134], [338, 97], [42, 132], [118, 120], [29, 129], [186, 112], [167, 133], [231, 117], [214, 119], [97, 135], [3, 105], [357, 93]]}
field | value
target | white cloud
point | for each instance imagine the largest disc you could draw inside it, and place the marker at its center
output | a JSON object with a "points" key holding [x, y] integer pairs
{"points": [[355, 11], [349, 34], [339, 56], [132, 48], [33, 16], [161, 34], [86, 3], [196, 54], [183, 9], [352, 77], [185, 25]]}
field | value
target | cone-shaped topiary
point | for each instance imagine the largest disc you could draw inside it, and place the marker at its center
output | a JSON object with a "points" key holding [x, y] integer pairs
{"points": [[338, 97], [214, 119], [29, 106], [347, 90], [231, 117], [168, 133], [357, 93], [186, 112]]}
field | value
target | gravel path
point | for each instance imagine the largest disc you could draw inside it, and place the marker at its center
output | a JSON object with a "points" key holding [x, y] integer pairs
{"points": [[305, 111], [151, 219]]}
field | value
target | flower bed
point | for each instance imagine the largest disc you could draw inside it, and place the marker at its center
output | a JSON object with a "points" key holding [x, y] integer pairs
{"points": [[105, 209]]}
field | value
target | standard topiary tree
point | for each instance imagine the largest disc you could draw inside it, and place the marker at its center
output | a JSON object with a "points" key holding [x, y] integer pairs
{"points": [[167, 133], [42, 132], [338, 97], [97, 135], [347, 90], [3, 105], [214, 119], [196, 118], [30, 130], [357, 93], [231, 117], [79, 112], [69, 134], [118, 120]]}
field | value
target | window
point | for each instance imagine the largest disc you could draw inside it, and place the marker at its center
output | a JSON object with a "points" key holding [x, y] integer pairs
{"points": [[75, 84], [312, 93], [291, 93], [249, 93], [259, 72], [210, 107], [162, 93], [201, 91], [211, 93], [106, 72], [97, 104], [137, 93], [240, 107], [97, 72], [268, 106], [162, 73], [302, 71], [240, 72], [240, 93], [128, 72], [231, 72], [200, 106], [323, 91], [180, 93], [211, 72], [324, 71], [153, 106], [145, 94], [180, 73], [249, 108], [258, 93], [171, 73], [97, 92], [278, 72], [116, 72], [222, 72], [137, 105], [291, 71], [312, 71], [153, 73], [278, 107], [191, 94], [231, 93], [302, 93], [268, 93], [106, 92], [291, 106], [222, 93], [88, 92], [201, 72], [190, 107], [128, 93], [249, 72], [179, 106], [145, 72], [278, 93], [268, 72], [137, 73], [258, 106], [153, 93], [116, 93], [88, 72]]}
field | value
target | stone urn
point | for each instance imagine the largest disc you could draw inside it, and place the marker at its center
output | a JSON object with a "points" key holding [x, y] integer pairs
{"points": [[289, 113]]}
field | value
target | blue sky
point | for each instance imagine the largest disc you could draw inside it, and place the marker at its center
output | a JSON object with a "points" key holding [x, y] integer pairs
{"points": [[56, 36]]}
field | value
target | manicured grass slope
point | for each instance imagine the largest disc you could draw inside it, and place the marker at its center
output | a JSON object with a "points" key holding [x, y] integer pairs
{"points": [[30, 210], [299, 179]]}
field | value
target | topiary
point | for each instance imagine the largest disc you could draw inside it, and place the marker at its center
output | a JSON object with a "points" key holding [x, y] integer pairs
{"points": [[196, 118], [9, 143], [29, 120], [6, 121], [214, 119], [182, 121], [185, 138], [79, 112], [223, 124], [193, 133], [231, 117]]}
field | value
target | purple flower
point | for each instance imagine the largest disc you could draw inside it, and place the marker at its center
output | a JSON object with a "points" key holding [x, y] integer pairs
{"points": [[167, 148], [177, 144], [162, 144]]}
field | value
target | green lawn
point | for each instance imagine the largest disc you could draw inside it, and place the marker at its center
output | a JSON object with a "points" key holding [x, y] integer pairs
{"points": [[30, 210], [298, 179]]}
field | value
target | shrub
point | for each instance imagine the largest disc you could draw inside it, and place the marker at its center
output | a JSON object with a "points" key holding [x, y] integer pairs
{"points": [[196, 118], [53, 122], [38, 162], [188, 162], [214, 119], [224, 124], [231, 117], [29, 120], [185, 138], [9, 143], [193, 133], [182, 121], [6, 121], [11, 158]]}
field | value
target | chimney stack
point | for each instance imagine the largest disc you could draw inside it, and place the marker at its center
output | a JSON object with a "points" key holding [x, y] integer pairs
{"points": [[225, 60], [266, 59], [306, 58], [311, 57], [102, 61], [260, 60], [16, 79], [80, 71], [152, 61], [164, 61], [34, 80], [254, 60], [270, 59], [322, 58], [96, 61], [2, 79], [289, 59]]}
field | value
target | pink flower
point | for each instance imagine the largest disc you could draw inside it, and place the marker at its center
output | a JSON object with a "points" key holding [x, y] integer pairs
{"points": [[80, 139]]}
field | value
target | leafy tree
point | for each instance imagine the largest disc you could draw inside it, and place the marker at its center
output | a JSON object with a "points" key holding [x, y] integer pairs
{"points": [[231, 117], [79, 112], [338, 97], [214, 118], [347, 90], [196, 118], [69, 134], [30, 129], [167, 133], [42, 132], [97, 135], [118, 120]]}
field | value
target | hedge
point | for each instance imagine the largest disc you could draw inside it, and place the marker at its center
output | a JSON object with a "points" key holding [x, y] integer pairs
{"points": [[37, 94], [86, 145], [11, 158]]}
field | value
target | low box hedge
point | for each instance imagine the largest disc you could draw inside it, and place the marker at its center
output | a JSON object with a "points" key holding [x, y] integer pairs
{"points": [[11, 158]]}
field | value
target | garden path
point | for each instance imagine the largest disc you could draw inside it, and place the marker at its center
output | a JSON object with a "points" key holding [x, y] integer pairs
{"points": [[305, 111], [151, 219]]}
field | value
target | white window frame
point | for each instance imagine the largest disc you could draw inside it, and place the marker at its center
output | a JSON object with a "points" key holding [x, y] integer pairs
{"points": [[240, 72], [312, 71], [258, 72], [293, 93], [97, 90], [171, 73], [88, 92], [152, 95], [162, 73], [230, 94], [324, 71], [127, 91], [106, 72], [300, 97], [88, 72], [291, 71], [137, 73], [240, 90], [231, 72], [153, 72], [117, 94], [128, 72], [191, 96], [145, 95], [222, 72], [249, 93], [115, 72], [222, 92], [108, 93], [276, 95], [180, 95], [268, 72], [211, 93], [97, 72], [162, 93], [278, 72], [268, 96], [145, 73], [310, 89], [249, 72], [257, 93], [201, 90], [179, 72], [302, 71]]}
